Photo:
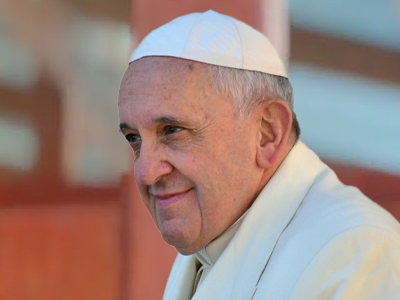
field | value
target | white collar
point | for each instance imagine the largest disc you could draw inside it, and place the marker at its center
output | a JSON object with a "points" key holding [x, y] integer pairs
{"points": [[210, 253]]}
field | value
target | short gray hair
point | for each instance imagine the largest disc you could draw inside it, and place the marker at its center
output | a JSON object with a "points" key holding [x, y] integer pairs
{"points": [[248, 87]]}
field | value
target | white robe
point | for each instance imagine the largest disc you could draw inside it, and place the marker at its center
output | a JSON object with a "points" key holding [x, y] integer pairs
{"points": [[306, 237], [208, 256]]}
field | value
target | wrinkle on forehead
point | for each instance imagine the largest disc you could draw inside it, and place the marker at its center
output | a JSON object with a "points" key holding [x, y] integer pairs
{"points": [[163, 65], [165, 72]]}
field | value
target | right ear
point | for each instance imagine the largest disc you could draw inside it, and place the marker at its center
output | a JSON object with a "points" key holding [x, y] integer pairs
{"points": [[275, 122]]}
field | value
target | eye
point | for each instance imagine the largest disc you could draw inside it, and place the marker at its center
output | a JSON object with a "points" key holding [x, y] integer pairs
{"points": [[135, 143], [172, 129], [132, 138]]}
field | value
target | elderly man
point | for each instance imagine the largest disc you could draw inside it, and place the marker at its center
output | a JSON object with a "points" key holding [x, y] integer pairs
{"points": [[208, 111]]}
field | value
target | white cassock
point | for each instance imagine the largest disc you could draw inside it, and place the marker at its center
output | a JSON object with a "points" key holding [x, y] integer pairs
{"points": [[306, 237], [208, 256]]}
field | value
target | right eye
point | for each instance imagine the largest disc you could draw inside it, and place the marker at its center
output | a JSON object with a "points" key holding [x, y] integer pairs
{"points": [[132, 138], [135, 143]]}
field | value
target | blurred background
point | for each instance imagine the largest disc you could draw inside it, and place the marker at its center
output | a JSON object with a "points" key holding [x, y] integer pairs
{"points": [[72, 225]]}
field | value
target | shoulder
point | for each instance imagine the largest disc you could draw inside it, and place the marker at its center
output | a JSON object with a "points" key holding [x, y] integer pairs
{"points": [[339, 241], [358, 263], [331, 210], [331, 207]]}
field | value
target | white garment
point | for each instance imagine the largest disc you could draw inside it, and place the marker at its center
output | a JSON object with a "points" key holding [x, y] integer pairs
{"points": [[306, 237], [209, 255]]}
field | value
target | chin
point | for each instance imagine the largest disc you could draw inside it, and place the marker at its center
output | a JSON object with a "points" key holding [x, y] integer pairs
{"points": [[182, 244], [188, 250], [178, 234]]}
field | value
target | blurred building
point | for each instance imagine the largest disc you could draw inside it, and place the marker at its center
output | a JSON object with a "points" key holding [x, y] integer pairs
{"points": [[62, 161], [72, 225]]}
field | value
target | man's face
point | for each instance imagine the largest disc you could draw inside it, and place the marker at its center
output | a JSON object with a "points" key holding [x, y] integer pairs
{"points": [[194, 163]]}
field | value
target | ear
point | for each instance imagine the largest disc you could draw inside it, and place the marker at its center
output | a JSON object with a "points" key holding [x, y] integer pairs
{"points": [[275, 122]]}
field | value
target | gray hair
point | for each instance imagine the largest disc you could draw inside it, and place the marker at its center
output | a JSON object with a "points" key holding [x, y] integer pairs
{"points": [[248, 87]]}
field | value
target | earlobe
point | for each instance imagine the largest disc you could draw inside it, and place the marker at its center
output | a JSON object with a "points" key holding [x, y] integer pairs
{"points": [[275, 121]]}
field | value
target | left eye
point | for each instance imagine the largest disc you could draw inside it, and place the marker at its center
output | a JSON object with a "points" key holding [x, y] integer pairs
{"points": [[172, 129]]}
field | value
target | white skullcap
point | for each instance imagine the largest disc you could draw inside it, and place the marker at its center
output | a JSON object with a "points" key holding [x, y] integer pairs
{"points": [[214, 39]]}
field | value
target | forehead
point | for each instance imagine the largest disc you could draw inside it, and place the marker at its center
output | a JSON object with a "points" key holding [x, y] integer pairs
{"points": [[157, 86], [160, 69]]}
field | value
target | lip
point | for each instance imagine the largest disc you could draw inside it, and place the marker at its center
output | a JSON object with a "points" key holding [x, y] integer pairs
{"points": [[165, 200]]}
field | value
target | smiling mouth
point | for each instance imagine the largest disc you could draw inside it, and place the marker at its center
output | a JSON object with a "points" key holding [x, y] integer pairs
{"points": [[166, 200]]}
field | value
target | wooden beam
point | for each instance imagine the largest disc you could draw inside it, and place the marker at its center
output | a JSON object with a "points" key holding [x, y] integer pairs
{"points": [[114, 10], [343, 55], [41, 107], [32, 195]]}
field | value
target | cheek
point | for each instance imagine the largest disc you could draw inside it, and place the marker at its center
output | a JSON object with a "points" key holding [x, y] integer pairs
{"points": [[229, 166]]}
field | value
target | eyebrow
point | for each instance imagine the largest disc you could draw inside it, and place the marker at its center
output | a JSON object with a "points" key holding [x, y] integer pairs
{"points": [[169, 120], [124, 126], [160, 120]]}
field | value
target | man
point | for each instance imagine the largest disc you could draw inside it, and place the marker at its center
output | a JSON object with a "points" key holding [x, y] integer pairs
{"points": [[208, 111]]}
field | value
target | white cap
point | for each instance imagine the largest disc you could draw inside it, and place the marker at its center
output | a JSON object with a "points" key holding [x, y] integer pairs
{"points": [[215, 39]]}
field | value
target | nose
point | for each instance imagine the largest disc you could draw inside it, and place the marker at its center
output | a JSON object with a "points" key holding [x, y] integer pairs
{"points": [[152, 164]]}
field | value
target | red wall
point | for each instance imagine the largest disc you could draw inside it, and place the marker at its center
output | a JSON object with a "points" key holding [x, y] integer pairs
{"points": [[56, 241]]}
